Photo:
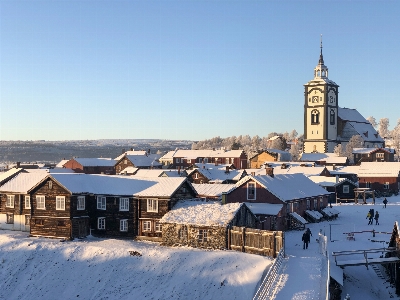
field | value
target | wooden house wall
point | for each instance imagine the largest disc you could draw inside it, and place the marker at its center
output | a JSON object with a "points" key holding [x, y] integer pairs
{"points": [[121, 165], [258, 160], [377, 183], [113, 216], [342, 195], [200, 179], [108, 170], [360, 157], [20, 215], [74, 165]]}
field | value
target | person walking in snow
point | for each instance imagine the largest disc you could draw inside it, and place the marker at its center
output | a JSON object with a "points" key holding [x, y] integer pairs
{"points": [[306, 239], [369, 217], [376, 218], [309, 233], [385, 202]]}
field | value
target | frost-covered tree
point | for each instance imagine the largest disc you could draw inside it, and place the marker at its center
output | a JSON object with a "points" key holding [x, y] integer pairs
{"points": [[255, 143], [383, 127], [372, 120], [295, 151], [278, 144], [356, 141], [338, 150], [293, 134], [395, 134]]}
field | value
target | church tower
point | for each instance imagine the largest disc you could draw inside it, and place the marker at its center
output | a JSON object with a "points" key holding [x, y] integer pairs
{"points": [[320, 111]]}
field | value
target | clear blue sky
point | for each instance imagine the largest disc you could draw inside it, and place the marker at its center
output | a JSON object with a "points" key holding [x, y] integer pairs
{"points": [[188, 69]]}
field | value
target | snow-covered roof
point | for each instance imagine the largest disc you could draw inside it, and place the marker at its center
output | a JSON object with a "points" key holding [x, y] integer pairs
{"points": [[96, 162], [307, 171], [371, 150], [192, 154], [212, 190], [328, 181], [330, 158], [265, 208], [201, 212], [174, 173], [220, 175], [349, 114], [379, 169], [131, 152], [165, 187], [149, 173], [23, 182], [8, 174], [144, 160], [343, 170], [61, 163], [129, 170], [287, 187]]}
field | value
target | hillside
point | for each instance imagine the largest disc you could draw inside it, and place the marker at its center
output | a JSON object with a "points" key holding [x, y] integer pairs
{"points": [[92, 268]]}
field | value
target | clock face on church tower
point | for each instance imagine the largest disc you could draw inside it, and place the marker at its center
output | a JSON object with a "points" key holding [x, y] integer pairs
{"points": [[332, 99], [315, 99]]}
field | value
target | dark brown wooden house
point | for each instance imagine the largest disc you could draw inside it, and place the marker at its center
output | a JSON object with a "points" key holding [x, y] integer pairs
{"points": [[373, 154], [381, 176], [145, 161]]}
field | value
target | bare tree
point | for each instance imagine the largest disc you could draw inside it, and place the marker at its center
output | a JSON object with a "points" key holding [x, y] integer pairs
{"points": [[356, 141]]}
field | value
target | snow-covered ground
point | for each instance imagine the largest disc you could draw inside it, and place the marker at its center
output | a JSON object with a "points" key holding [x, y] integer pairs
{"points": [[302, 275], [92, 268], [39, 268]]}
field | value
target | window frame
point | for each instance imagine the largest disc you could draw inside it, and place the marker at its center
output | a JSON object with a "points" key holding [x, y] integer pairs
{"points": [[157, 226], [146, 226], [101, 223], [27, 200], [386, 185], [346, 189], [150, 205], [60, 202], [79, 202], [183, 233], [123, 225], [124, 204], [10, 218], [202, 235], [315, 117], [10, 202], [102, 205], [249, 189], [28, 220], [41, 202]]}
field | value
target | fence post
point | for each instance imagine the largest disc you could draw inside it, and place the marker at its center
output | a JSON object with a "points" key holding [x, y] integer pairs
{"points": [[229, 239], [274, 245], [243, 238]]}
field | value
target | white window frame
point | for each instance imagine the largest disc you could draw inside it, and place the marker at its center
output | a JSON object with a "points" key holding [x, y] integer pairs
{"points": [[346, 189], [10, 201], [380, 155], [101, 202], [315, 204], [10, 218], [368, 184], [253, 184], [227, 161], [158, 226], [202, 235], [178, 160], [146, 225], [60, 202], [196, 175], [123, 204], [206, 160], [152, 205], [386, 185], [40, 202], [123, 225], [80, 204], [101, 223], [27, 202], [183, 232]]}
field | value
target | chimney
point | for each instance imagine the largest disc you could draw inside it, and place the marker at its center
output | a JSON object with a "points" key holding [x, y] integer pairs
{"points": [[269, 172], [204, 166], [179, 170], [224, 198], [131, 149], [18, 164], [125, 173], [253, 173], [334, 167]]}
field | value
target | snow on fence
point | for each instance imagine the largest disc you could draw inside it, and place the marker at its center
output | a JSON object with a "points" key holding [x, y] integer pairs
{"points": [[266, 289], [255, 241]]}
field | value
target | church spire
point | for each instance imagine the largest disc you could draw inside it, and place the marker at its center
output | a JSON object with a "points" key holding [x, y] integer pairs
{"points": [[321, 57]]}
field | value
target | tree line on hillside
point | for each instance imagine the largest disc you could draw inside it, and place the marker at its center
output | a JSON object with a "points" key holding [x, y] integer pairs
{"points": [[287, 141]]}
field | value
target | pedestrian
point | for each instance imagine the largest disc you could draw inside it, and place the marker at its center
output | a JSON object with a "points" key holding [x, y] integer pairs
{"points": [[306, 239], [376, 218], [369, 217], [309, 233], [385, 202]]}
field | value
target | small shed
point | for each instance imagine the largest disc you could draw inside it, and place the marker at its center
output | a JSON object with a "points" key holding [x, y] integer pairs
{"points": [[204, 224]]}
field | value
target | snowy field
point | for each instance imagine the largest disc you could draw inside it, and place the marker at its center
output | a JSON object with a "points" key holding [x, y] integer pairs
{"points": [[301, 277], [40, 268]]}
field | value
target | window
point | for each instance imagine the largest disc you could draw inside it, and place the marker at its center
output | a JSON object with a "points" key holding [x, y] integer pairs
{"points": [[227, 161], [61, 223], [196, 175], [101, 203], [386, 185], [50, 185], [10, 219], [146, 225], [308, 203], [125, 161], [332, 117], [205, 160], [315, 204], [200, 159], [81, 203], [251, 191], [346, 189], [39, 222], [10, 201], [158, 226], [202, 236], [315, 117], [178, 160], [101, 223], [152, 205], [123, 225], [40, 202], [188, 161], [380, 155], [27, 220], [124, 204], [183, 232], [368, 184], [60, 203], [27, 202], [291, 206]]}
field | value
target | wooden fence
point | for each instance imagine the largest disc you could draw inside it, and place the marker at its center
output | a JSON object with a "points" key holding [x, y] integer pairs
{"points": [[255, 241]]}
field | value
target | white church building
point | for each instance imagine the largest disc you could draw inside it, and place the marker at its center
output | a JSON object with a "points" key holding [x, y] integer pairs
{"points": [[325, 123]]}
